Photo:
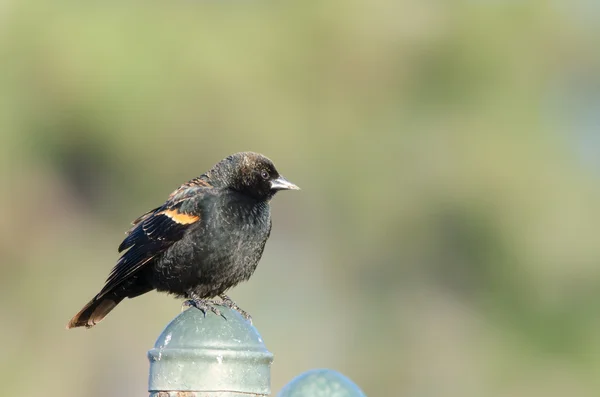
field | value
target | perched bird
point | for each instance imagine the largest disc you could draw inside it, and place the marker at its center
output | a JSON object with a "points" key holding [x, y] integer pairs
{"points": [[206, 238]]}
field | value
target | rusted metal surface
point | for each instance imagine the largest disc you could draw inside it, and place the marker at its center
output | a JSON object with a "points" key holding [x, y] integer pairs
{"points": [[202, 394], [175, 394]]}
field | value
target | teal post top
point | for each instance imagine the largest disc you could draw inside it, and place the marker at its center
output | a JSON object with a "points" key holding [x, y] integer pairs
{"points": [[321, 383], [198, 356]]}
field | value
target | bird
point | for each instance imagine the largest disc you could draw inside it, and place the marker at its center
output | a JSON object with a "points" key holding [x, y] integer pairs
{"points": [[206, 238]]}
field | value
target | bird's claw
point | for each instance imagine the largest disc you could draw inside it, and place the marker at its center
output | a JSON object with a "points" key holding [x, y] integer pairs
{"points": [[228, 302], [204, 306]]}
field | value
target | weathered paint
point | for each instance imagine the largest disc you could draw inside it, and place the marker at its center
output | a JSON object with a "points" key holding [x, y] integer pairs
{"points": [[321, 383], [201, 356]]}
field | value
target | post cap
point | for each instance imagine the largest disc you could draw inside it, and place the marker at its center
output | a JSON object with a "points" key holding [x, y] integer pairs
{"points": [[198, 353], [321, 383]]}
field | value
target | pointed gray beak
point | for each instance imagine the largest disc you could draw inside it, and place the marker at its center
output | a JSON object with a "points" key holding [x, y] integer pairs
{"points": [[283, 184]]}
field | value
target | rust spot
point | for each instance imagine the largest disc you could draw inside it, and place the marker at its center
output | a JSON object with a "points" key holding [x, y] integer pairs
{"points": [[183, 219], [176, 394], [216, 393]]}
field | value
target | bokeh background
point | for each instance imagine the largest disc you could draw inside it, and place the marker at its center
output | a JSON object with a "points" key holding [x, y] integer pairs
{"points": [[447, 238]]}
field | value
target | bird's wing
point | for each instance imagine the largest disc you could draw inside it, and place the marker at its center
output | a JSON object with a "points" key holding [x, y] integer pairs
{"points": [[155, 231]]}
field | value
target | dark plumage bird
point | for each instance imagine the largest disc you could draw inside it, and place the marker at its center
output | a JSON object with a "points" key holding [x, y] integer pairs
{"points": [[206, 238]]}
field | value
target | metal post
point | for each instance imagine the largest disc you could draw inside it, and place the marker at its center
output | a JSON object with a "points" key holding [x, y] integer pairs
{"points": [[321, 383], [198, 356]]}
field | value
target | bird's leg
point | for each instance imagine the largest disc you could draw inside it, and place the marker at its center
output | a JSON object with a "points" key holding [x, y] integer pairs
{"points": [[227, 301], [202, 304]]}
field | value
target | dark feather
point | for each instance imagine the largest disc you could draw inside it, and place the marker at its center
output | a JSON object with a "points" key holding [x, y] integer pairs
{"points": [[154, 232]]}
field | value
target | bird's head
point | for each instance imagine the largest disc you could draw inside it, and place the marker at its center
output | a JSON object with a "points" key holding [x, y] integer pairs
{"points": [[250, 173]]}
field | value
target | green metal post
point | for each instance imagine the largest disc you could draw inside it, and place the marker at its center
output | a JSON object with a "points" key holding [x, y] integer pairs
{"points": [[321, 383], [198, 356]]}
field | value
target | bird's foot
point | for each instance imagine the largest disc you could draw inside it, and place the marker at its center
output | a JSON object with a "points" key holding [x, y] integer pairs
{"points": [[203, 305], [228, 302]]}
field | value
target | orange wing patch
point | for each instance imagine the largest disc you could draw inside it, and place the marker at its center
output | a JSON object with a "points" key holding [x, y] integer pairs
{"points": [[183, 219]]}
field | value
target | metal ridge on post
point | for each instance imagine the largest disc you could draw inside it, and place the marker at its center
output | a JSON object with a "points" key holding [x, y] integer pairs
{"points": [[198, 355]]}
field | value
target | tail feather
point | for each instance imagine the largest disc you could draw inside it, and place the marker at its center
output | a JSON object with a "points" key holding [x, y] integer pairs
{"points": [[94, 311]]}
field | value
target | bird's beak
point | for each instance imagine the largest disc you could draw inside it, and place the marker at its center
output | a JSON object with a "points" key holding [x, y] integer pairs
{"points": [[283, 184]]}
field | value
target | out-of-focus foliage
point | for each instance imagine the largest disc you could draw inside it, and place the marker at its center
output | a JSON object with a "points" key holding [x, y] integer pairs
{"points": [[447, 238]]}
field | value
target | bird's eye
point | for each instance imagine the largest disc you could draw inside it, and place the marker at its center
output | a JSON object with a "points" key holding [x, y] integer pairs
{"points": [[264, 175]]}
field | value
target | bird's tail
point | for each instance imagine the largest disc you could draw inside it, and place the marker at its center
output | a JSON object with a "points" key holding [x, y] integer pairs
{"points": [[95, 311]]}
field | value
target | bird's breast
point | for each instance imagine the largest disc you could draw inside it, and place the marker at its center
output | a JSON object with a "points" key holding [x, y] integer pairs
{"points": [[237, 230]]}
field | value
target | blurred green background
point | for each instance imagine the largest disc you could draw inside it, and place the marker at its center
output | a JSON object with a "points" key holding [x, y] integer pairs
{"points": [[447, 238]]}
